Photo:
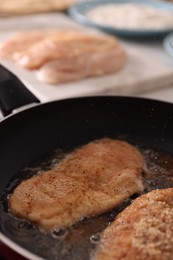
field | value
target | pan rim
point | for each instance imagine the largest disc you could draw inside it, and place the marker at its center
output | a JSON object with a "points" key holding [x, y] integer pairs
{"points": [[7, 241], [35, 106], [19, 249]]}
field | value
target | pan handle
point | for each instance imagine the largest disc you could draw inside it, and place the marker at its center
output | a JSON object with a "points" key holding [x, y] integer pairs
{"points": [[13, 93]]}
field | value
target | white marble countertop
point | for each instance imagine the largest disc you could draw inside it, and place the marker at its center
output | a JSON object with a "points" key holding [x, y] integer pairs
{"points": [[162, 94], [149, 70]]}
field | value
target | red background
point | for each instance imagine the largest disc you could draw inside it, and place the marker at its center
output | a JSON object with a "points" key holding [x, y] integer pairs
{"points": [[8, 254]]}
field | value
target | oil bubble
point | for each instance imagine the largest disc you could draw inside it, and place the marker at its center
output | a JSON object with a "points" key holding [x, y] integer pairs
{"points": [[94, 239], [59, 233]]}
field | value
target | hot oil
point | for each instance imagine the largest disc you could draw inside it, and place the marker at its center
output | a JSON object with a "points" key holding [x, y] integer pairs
{"points": [[159, 170], [78, 241]]}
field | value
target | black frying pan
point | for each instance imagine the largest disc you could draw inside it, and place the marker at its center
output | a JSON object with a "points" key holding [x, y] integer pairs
{"points": [[27, 136]]}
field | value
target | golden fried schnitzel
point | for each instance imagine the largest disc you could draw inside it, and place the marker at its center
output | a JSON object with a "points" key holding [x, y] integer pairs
{"points": [[89, 181], [142, 231]]}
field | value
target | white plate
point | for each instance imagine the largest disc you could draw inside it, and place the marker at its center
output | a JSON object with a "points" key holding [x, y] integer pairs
{"points": [[168, 44]]}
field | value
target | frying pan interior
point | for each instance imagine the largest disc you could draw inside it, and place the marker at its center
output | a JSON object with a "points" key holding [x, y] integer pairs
{"points": [[31, 134]]}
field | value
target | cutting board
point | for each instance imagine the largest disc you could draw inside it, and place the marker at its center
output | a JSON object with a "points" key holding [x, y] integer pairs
{"points": [[148, 66]]}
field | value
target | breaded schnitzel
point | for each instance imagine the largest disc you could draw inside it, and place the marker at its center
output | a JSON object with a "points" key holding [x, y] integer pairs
{"points": [[142, 231], [89, 181]]}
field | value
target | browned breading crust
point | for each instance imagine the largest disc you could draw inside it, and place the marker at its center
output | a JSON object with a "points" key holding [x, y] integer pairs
{"points": [[143, 231], [89, 181]]}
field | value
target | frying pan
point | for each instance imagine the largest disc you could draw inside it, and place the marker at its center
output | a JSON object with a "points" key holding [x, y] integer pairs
{"points": [[30, 134]]}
